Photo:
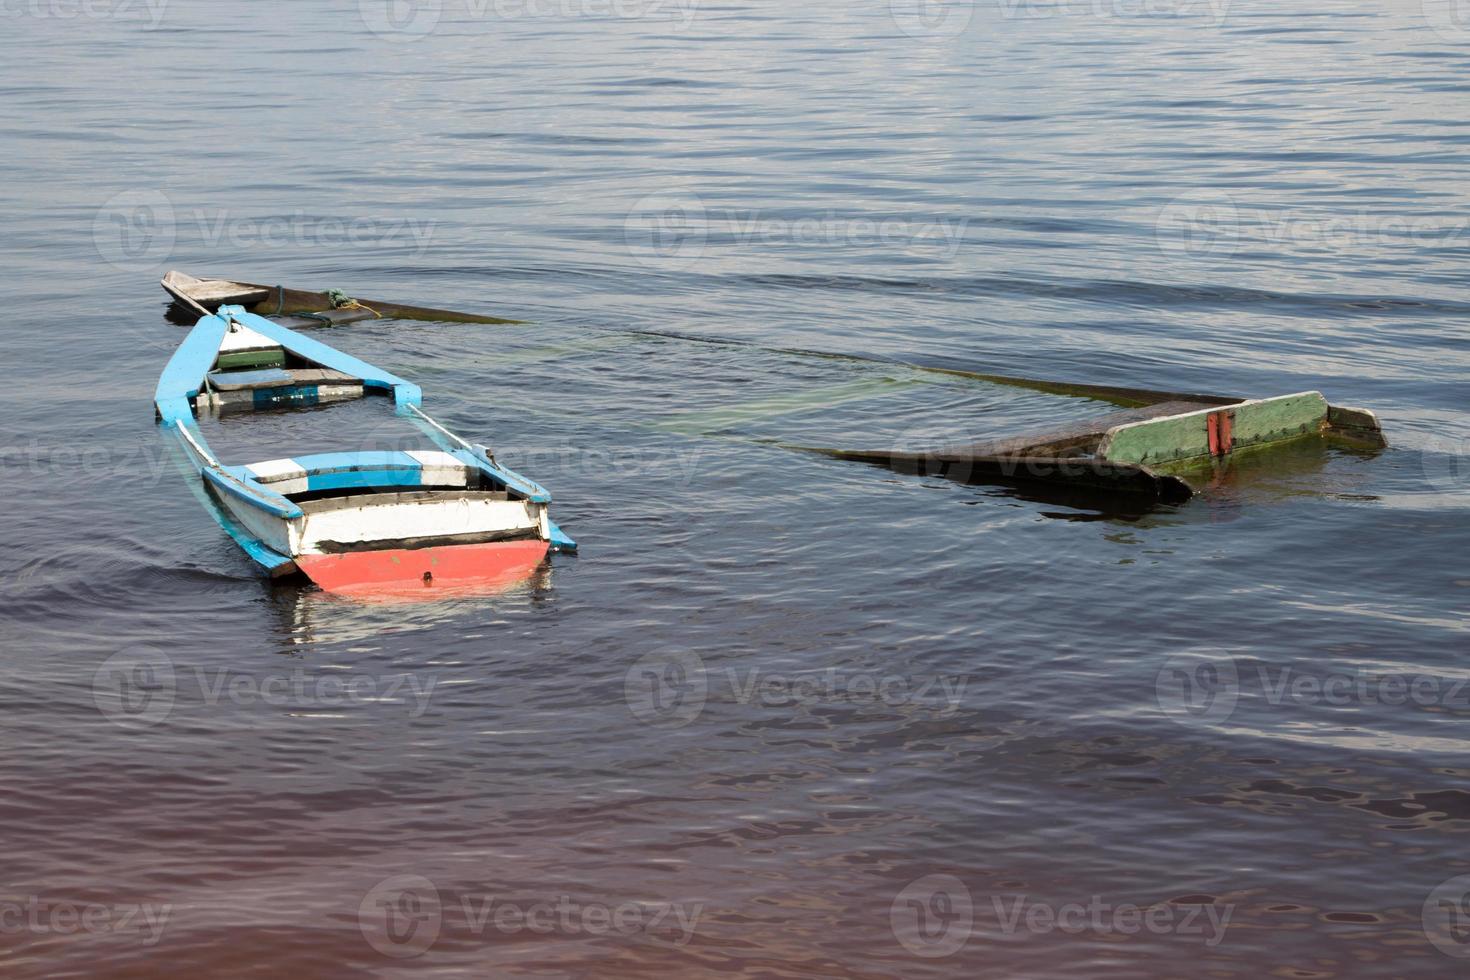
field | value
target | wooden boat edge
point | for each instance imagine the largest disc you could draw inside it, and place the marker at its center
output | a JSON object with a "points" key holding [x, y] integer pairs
{"points": [[203, 296]]}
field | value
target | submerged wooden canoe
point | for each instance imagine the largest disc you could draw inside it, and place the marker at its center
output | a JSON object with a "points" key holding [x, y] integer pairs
{"points": [[371, 524], [299, 307], [1146, 449]]}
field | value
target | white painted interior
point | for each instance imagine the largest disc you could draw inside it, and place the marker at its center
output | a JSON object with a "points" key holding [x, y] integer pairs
{"points": [[243, 338], [392, 520]]}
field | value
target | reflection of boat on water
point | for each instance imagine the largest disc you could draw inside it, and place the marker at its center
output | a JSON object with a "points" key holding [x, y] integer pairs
{"points": [[1295, 470], [304, 616], [387, 524]]}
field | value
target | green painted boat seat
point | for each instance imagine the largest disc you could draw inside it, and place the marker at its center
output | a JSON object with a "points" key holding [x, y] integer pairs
{"points": [[232, 360]]}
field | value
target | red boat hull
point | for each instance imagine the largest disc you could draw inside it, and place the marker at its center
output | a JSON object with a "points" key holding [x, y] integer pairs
{"points": [[425, 573]]}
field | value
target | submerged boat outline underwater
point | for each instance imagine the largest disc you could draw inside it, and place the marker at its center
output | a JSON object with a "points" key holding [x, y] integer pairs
{"points": [[366, 522]]}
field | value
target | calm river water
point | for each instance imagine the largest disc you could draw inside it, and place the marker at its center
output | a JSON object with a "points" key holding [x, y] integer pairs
{"points": [[783, 716]]}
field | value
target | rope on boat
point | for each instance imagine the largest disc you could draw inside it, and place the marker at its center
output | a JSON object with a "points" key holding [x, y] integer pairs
{"points": [[339, 300], [461, 441]]}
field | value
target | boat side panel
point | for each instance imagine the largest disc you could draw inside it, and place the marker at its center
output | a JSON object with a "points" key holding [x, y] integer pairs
{"points": [[1068, 471], [1188, 436], [272, 531], [237, 483], [426, 572], [269, 559]]}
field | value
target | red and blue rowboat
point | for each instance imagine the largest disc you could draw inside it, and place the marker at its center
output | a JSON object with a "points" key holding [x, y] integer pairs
{"points": [[369, 523]]}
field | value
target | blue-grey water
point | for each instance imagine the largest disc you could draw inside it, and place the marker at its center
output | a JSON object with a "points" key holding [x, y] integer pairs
{"points": [[783, 716]]}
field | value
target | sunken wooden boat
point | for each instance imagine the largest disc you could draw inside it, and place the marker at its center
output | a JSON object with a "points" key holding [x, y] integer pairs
{"points": [[1158, 447], [353, 522], [299, 307]]}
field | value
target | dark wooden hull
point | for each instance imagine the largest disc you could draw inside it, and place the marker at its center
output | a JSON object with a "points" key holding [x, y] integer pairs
{"points": [[204, 296], [1080, 473], [1121, 453]]}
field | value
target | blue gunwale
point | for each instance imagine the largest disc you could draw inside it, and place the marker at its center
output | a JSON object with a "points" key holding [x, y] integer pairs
{"points": [[183, 376], [233, 481]]}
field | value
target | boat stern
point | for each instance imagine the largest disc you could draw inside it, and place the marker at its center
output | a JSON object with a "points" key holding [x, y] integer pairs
{"points": [[428, 572]]}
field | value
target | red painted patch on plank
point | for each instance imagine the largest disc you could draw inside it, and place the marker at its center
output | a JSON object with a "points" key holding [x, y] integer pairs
{"points": [[1220, 428], [425, 573]]}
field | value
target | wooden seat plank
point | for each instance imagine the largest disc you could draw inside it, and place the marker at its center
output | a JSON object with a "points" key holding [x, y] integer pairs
{"points": [[278, 378]]}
